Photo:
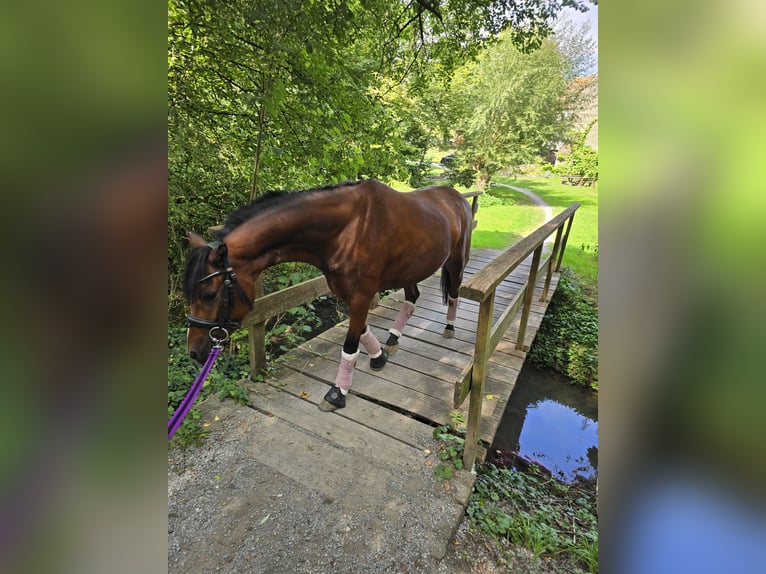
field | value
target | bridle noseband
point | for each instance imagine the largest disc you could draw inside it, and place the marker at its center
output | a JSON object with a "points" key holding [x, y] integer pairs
{"points": [[230, 283]]}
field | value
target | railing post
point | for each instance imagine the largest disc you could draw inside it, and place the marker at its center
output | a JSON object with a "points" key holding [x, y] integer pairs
{"points": [[528, 297], [564, 242], [554, 255], [256, 334], [480, 357]]}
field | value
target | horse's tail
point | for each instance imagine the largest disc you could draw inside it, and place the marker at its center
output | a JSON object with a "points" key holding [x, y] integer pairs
{"points": [[446, 283]]}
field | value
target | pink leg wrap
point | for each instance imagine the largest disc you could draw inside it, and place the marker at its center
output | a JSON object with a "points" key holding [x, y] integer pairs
{"points": [[451, 310], [346, 371], [408, 308], [371, 343]]}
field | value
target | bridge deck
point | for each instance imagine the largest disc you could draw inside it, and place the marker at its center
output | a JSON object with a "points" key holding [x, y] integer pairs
{"points": [[419, 378], [375, 459]]}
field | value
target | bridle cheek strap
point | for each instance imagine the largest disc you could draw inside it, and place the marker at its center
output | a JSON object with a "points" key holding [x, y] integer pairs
{"points": [[230, 283]]}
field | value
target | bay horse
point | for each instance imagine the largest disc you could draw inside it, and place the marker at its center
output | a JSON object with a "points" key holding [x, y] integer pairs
{"points": [[363, 236]]}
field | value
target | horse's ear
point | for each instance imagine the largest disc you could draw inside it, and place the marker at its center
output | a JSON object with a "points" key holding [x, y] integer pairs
{"points": [[196, 240]]}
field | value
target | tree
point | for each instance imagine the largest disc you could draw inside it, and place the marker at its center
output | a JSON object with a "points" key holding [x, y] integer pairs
{"points": [[510, 106], [270, 94]]}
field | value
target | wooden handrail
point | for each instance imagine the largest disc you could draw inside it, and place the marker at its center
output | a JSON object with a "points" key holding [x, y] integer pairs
{"points": [[478, 287], [481, 287], [280, 301]]}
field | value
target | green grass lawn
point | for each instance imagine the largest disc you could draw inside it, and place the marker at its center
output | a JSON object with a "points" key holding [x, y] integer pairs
{"points": [[505, 216], [581, 255]]}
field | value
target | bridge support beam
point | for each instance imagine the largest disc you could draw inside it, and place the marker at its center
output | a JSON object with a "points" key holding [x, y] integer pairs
{"points": [[481, 354], [528, 298]]}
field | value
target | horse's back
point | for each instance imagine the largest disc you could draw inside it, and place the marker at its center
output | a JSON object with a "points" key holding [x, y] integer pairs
{"points": [[446, 198], [426, 205]]}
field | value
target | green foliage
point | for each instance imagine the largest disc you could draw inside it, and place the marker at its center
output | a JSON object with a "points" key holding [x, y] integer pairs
{"points": [[582, 160], [540, 513], [492, 198], [450, 449], [277, 94], [567, 340]]}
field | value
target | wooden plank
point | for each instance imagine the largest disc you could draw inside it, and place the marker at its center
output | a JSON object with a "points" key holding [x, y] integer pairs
{"points": [[425, 331], [551, 260], [431, 311], [478, 376], [431, 298], [424, 320], [502, 324], [291, 380], [462, 385], [303, 457], [280, 301], [413, 398], [416, 347], [431, 381], [256, 337], [528, 299], [366, 442], [386, 391], [564, 243]]}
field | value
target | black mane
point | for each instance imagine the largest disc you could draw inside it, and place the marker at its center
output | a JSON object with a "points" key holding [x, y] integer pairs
{"points": [[196, 269], [270, 200]]}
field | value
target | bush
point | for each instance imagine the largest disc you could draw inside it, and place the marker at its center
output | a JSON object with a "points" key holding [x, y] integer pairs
{"points": [[582, 161], [567, 340]]}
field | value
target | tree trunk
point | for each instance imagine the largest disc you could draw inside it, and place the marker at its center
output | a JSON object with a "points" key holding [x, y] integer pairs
{"points": [[482, 179], [261, 124]]}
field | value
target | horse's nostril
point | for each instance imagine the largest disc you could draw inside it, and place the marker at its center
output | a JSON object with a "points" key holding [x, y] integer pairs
{"points": [[194, 355]]}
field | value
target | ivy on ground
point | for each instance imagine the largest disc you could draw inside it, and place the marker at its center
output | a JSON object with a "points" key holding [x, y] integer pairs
{"points": [[550, 518]]}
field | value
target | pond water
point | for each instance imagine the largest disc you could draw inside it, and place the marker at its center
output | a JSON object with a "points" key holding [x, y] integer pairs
{"points": [[551, 423]]}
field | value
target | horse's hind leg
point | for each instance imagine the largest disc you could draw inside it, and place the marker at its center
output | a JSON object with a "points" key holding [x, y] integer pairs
{"points": [[453, 274], [411, 294]]}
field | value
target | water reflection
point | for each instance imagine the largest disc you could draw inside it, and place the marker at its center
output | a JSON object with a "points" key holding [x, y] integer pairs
{"points": [[553, 423]]}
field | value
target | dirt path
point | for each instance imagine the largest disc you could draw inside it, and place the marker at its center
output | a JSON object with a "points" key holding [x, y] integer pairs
{"points": [[533, 197]]}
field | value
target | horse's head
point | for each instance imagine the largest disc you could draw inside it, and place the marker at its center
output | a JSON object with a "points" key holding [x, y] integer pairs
{"points": [[218, 297]]}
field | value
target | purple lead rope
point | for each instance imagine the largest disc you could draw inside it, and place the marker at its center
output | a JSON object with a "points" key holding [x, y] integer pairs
{"points": [[178, 416]]}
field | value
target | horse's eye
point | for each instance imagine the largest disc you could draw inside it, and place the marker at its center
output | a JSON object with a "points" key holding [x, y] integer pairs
{"points": [[208, 296]]}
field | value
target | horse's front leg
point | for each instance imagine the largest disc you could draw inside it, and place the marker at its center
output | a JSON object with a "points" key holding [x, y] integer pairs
{"points": [[357, 331]]}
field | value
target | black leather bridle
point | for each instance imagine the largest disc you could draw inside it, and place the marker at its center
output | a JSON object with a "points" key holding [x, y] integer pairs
{"points": [[230, 283]]}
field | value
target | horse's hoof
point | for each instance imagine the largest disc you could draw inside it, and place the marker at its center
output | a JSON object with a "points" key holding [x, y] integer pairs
{"points": [[391, 349], [379, 362], [333, 400], [449, 332], [392, 344]]}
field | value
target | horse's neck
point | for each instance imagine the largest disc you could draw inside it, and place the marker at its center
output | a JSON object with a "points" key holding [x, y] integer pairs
{"points": [[301, 231]]}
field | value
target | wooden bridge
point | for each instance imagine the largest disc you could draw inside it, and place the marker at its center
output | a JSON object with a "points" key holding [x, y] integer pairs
{"points": [[386, 430]]}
